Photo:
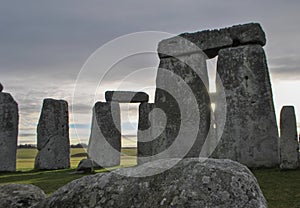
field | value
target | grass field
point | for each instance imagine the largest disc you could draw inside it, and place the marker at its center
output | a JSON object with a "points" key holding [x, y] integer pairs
{"points": [[281, 188]]}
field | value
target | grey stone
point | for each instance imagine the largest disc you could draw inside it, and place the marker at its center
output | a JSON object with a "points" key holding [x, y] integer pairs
{"points": [[145, 135], [126, 96], [9, 122], [190, 183], [105, 140], [182, 94], [53, 136], [211, 41], [250, 135], [1, 87], [87, 166], [289, 146], [20, 195]]}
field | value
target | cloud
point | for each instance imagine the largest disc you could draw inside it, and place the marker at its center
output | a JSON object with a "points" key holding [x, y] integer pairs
{"points": [[285, 67], [26, 135], [45, 44]]}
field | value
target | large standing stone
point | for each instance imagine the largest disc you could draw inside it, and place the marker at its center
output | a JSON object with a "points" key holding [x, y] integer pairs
{"points": [[53, 136], [105, 140], [190, 183], [250, 135], [1, 87], [9, 121], [289, 146], [182, 93], [145, 137]]}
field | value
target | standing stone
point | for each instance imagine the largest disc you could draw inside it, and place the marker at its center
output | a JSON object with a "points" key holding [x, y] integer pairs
{"points": [[182, 93], [9, 121], [1, 87], [145, 137], [53, 136], [105, 140], [289, 146], [250, 135]]}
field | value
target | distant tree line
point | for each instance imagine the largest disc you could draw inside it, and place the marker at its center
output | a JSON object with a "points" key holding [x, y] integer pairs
{"points": [[26, 146], [33, 146]]}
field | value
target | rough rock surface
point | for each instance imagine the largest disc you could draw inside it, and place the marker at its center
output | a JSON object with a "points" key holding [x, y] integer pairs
{"points": [[20, 195], [190, 183], [182, 94], [105, 139], [9, 121], [53, 136], [126, 96], [250, 135], [289, 146], [87, 166], [211, 41], [145, 143]]}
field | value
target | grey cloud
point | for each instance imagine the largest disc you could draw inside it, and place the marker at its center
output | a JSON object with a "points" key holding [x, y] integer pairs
{"points": [[285, 67], [26, 135], [45, 44]]}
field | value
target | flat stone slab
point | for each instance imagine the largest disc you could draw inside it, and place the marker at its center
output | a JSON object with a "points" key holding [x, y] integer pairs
{"points": [[211, 41], [126, 96]]}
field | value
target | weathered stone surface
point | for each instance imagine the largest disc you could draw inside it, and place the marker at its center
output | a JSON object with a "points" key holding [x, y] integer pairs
{"points": [[53, 136], [190, 183], [87, 166], [145, 135], [289, 146], [250, 135], [126, 96], [20, 195], [1, 87], [211, 41], [182, 94], [9, 121], [105, 140]]}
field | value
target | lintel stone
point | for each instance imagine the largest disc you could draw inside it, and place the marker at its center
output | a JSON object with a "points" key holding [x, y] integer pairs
{"points": [[211, 41], [126, 96]]}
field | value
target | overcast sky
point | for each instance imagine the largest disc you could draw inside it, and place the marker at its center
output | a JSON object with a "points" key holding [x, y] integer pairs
{"points": [[44, 45]]}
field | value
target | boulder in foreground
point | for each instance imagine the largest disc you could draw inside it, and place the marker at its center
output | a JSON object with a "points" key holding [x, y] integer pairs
{"points": [[20, 195], [190, 183]]}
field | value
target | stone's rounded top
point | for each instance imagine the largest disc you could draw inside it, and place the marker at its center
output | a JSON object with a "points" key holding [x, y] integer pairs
{"points": [[1, 87], [290, 108], [211, 41]]}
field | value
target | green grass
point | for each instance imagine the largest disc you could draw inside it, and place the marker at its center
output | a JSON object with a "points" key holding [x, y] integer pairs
{"points": [[281, 188]]}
